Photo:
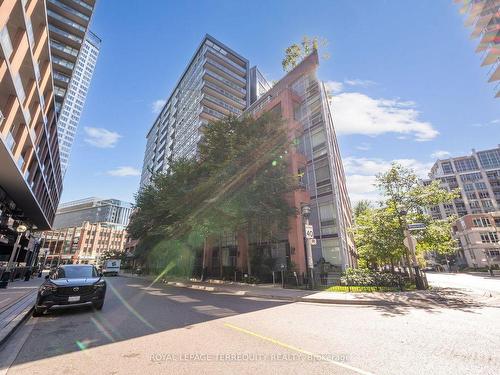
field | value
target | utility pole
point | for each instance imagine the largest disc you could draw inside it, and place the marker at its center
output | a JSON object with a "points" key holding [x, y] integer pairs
{"points": [[306, 212], [411, 243]]}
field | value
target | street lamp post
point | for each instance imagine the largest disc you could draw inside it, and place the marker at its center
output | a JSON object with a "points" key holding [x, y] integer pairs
{"points": [[411, 244], [20, 230], [10, 265], [306, 212]]}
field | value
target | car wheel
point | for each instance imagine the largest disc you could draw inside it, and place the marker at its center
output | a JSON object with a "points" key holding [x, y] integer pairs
{"points": [[98, 306], [37, 311]]}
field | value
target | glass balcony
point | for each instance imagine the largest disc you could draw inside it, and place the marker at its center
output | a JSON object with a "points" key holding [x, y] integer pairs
{"points": [[37, 71], [225, 59], [63, 48], [65, 20], [29, 30], [59, 91], [226, 81], [223, 104], [227, 71], [18, 84], [61, 77], [20, 162], [61, 32], [225, 93], [6, 42], [213, 113], [69, 9], [63, 62], [10, 141]]}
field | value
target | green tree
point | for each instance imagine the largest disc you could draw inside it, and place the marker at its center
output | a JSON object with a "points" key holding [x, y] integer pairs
{"points": [[295, 53], [360, 207], [379, 232], [238, 183]]}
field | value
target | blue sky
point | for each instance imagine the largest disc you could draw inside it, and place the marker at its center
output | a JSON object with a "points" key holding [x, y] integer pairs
{"points": [[407, 84]]}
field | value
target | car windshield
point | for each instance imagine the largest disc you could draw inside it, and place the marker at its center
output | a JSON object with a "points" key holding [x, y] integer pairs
{"points": [[76, 272]]}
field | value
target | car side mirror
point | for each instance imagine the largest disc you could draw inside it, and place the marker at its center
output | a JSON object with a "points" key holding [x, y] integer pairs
{"points": [[47, 277], [101, 274]]}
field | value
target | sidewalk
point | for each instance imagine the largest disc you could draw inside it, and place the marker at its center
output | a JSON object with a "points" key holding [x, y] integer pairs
{"points": [[294, 295], [16, 303]]}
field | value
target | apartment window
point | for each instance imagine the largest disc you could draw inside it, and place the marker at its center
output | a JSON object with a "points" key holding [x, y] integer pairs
{"points": [[474, 204], [327, 218], [489, 159], [469, 187], [481, 222], [318, 140], [322, 170], [480, 185], [490, 237], [471, 195], [471, 176], [447, 168], [494, 253], [487, 203], [331, 250], [484, 194], [464, 165]]}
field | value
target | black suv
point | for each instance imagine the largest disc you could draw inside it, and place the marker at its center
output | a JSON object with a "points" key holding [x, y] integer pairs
{"points": [[71, 285]]}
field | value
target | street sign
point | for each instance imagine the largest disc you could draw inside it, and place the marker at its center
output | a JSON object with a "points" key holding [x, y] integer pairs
{"points": [[313, 241], [309, 231], [416, 226], [410, 245]]}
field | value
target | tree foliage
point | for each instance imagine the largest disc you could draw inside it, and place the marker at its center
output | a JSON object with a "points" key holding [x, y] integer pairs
{"points": [[295, 53], [379, 231], [238, 182]]}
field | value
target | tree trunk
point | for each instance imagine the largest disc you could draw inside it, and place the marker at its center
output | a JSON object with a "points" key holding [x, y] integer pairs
{"points": [[410, 269]]}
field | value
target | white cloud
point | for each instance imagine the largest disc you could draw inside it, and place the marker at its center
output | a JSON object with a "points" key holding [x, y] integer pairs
{"points": [[362, 187], [157, 105], [100, 137], [491, 123], [124, 172], [357, 113], [359, 82], [440, 154], [361, 172], [334, 87], [363, 146]]}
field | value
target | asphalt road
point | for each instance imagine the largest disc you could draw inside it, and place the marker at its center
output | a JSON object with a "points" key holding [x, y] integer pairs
{"points": [[477, 283], [167, 330]]}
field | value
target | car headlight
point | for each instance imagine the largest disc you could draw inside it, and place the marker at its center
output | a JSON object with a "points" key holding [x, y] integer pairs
{"points": [[99, 285], [47, 289]]}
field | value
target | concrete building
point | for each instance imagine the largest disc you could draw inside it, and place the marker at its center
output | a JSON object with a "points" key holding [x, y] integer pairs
{"points": [[84, 243], [479, 239], [30, 172], [302, 101], [113, 212], [484, 17], [215, 84], [477, 176], [218, 83], [68, 24], [77, 90]]}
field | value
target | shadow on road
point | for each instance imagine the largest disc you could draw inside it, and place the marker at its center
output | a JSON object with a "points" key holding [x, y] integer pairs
{"points": [[439, 300], [132, 308]]}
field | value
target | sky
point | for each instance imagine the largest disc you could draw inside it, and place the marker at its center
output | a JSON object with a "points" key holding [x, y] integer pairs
{"points": [[407, 85]]}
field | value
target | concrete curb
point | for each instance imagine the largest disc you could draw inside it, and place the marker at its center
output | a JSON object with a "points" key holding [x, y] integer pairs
{"points": [[246, 293], [26, 305]]}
